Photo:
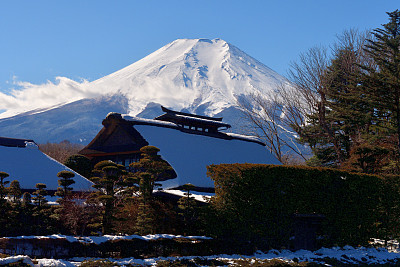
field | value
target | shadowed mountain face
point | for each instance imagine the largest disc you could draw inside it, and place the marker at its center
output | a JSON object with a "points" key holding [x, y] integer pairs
{"points": [[198, 76], [78, 122]]}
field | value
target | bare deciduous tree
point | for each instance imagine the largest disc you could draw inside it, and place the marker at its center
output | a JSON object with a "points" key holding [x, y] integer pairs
{"points": [[77, 214], [60, 151], [283, 114], [271, 119]]}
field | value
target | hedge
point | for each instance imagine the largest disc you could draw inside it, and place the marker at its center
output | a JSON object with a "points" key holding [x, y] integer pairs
{"points": [[257, 202]]}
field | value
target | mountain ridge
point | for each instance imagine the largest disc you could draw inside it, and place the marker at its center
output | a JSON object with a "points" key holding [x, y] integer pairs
{"points": [[200, 76]]}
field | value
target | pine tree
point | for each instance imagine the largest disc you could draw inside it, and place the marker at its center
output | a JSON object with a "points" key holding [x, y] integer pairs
{"points": [[14, 191], [43, 221], [5, 207], [26, 199], [3, 183], [383, 81], [145, 223], [26, 215], [148, 170], [342, 112], [155, 168], [80, 164], [109, 180], [187, 206], [64, 191], [40, 194]]}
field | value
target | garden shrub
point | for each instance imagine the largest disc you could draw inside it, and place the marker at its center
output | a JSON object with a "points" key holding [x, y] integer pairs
{"points": [[256, 202]]}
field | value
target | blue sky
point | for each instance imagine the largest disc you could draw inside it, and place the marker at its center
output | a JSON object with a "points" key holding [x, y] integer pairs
{"points": [[90, 39]]}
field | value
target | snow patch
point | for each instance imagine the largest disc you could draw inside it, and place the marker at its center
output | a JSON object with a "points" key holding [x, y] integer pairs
{"points": [[346, 255], [14, 259], [101, 239]]}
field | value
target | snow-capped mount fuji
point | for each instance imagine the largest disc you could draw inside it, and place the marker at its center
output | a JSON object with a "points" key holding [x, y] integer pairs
{"points": [[200, 76]]}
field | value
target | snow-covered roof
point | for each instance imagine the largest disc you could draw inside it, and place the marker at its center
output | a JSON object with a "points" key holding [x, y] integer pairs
{"points": [[188, 151], [189, 154], [166, 124], [30, 166], [14, 142], [199, 196]]}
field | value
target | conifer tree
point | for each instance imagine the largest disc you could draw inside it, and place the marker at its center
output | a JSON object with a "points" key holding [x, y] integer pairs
{"points": [[64, 191], [14, 191], [187, 206], [340, 112], [348, 114], [109, 180], [80, 164], [26, 199], [146, 217], [5, 207], [26, 215], [3, 183], [148, 170], [384, 80], [40, 194]]}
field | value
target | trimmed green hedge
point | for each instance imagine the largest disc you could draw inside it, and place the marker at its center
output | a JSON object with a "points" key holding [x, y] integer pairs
{"points": [[257, 202]]}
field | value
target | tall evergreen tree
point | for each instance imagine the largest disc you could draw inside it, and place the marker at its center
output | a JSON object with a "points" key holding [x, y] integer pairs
{"points": [[80, 164], [40, 194], [150, 168], [109, 180], [14, 191], [187, 207], [64, 191], [341, 111], [383, 81], [26, 215], [153, 166], [5, 208], [3, 183], [26, 199]]}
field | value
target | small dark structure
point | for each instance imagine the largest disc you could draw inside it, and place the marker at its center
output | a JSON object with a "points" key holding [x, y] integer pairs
{"points": [[306, 227], [14, 142], [191, 121]]}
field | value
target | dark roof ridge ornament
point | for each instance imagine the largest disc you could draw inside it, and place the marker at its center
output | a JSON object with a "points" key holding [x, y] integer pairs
{"points": [[15, 142], [192, 122], [189, 114]]}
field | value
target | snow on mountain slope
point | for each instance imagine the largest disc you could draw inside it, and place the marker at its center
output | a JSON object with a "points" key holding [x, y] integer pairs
{"points": [[77, 122], [199, 76], [192, 74]]}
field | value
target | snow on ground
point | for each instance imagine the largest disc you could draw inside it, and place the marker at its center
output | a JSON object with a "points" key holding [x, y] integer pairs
{"points": [[9, 260], [101, 239], [346, 255], [30, 166]]}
